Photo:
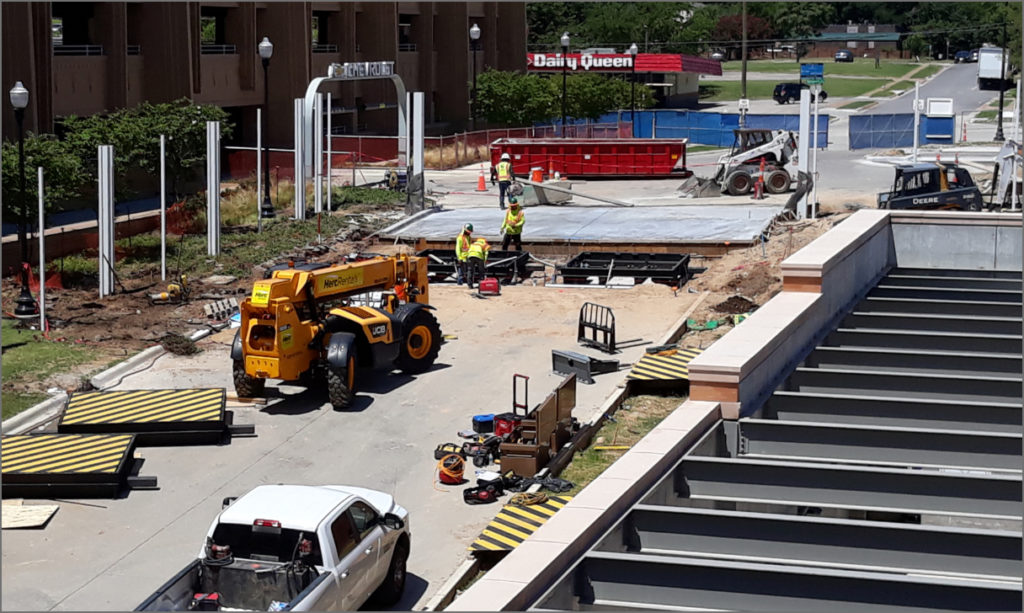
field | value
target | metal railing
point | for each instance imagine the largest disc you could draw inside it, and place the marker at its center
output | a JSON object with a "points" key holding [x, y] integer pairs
{"points": [[78, 49], [209, 49], [406, 46], [324, 48]]}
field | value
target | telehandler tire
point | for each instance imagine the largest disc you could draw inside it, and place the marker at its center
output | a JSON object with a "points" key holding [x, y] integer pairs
{"points": [[421, 342], [246, 386], [341, 382]]}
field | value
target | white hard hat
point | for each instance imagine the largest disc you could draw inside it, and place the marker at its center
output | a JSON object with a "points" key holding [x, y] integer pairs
{"points": [[505, 156]]}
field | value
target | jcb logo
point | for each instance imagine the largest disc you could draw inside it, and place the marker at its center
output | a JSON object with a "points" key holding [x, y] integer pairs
{"points": [[379, 330]]}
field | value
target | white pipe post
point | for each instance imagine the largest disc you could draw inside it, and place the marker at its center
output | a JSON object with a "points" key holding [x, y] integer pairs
{"points": [[330, 153], [300, 171], [163, 207], [803, 147], [259, 169], [105, 218], [318, 153], [42, 256], [213, 188], [814, 158], [917, 117]]}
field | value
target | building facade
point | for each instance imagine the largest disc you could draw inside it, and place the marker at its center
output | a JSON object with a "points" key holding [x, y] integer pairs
{"points": [[85, 58]]}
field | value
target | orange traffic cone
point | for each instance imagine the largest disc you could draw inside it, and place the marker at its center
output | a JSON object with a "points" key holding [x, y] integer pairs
{"points": [[963, 137], [481, 183]]}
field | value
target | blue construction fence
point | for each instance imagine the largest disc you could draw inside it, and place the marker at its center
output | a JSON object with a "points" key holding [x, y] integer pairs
{"points": [[897, 130], [704, 128]]}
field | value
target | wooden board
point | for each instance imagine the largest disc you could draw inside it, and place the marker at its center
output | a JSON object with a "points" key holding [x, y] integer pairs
{"points": [[26, 516]]}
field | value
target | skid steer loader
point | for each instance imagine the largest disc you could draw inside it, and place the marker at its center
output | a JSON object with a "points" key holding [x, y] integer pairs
{"points": [[738, 170], [324, 324]]}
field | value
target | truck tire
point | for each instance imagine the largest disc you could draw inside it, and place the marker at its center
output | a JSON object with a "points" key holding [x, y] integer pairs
{"points": [[246, 386], [777, 182], [739, 183], [391, 590], [341, 382], [421, 340]]}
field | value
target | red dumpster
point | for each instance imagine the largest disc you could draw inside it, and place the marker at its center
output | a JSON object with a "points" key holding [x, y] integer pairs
{"points": [[586, 157]]}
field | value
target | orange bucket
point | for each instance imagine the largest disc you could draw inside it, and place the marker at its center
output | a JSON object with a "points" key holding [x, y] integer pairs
{"points": [[537, 174]]}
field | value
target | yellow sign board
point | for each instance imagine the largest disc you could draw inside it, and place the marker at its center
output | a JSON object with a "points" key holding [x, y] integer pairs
{"points": [[340, 281], [260, 294]]}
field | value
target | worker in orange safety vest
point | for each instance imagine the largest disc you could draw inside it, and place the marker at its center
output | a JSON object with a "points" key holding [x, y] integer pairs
{"points": [[477, 259], [462, 243]]}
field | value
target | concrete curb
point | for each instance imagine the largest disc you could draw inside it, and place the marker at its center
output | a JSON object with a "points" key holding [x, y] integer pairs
{"points": [[50, 408], [446, 593]]}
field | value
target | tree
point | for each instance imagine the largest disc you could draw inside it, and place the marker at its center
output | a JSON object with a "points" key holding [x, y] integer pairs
{"points": [[514, 99], [62, 174], [590, 95], [730, 27], [915, 44], [790, 20]]}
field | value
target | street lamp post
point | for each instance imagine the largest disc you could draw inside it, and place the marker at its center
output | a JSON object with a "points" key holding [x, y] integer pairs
{"points": [[26, 304], [266, 49], [632, 89], [474, 35], [565, 58], [1002, 88]]}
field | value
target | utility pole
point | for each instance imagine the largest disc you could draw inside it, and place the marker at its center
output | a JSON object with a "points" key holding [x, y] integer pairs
{"points": [[743, 53], [1002, 87]]}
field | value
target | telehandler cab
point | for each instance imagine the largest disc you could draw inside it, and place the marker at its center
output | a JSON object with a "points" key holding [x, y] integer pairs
{"points": [[323, 324]]}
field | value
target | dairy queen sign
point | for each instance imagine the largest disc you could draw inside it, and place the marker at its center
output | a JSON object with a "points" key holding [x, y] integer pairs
{"points": [[580, 61]]}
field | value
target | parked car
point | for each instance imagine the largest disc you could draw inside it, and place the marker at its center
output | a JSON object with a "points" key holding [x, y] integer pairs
{"points": [[788, 92], [718, 55], [962, 56], [844, 55], [974, 55]]}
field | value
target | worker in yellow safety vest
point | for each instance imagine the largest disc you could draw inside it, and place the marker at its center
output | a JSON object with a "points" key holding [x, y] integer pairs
{"points": [[462, 243], [505, 177], [512, 227], [477, 258]]}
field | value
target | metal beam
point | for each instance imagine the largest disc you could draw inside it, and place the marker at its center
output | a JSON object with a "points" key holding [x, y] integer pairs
{"points": [[880, 445], [867, 488], [934, 341], [932, 323], [1005, 388], [668, 582], [964, 308], [895, 360], [883, 290], [901, 412], [564, 190], [820, 541]]}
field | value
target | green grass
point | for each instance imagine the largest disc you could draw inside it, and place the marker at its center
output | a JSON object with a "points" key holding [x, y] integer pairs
{"points": [[699, 148], [927, 71], [762, 90], [862, 67], [897, 88], [856, 104], [638, 416], [28, 357], [987, 115]]}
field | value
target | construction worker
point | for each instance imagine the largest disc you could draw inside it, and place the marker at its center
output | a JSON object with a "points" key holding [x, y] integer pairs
{"points": [[476, 260], [505, 177], [512, 227], [462, 243]]}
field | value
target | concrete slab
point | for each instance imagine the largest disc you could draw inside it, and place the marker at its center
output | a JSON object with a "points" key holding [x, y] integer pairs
{"points": [[596, 224]]}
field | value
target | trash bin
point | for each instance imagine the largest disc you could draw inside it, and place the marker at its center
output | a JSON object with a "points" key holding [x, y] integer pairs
{"points": [[537, 174]]}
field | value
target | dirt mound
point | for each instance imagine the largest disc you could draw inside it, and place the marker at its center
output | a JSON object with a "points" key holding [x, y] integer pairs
{"points": [[752, 280], [734, 305]]}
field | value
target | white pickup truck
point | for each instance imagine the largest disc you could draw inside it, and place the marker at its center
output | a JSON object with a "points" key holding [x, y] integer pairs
{"points": [[295, 548]]}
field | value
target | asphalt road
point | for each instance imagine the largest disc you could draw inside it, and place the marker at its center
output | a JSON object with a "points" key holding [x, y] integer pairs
{"points": [[959, 82]]}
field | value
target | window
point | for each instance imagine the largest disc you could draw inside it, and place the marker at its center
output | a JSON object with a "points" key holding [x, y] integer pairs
{"points": [[344, 535], [364, 517], [405, 32], [268, 545]]}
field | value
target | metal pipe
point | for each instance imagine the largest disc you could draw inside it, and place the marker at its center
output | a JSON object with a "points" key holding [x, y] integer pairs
{"points": [[42, 256], [163, 206]]}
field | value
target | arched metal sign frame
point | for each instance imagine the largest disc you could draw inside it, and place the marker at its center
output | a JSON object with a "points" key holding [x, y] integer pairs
{"points": [[352, 71]]}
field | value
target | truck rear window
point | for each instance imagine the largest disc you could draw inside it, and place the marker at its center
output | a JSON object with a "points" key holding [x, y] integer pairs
{"points": [[262, 545]]}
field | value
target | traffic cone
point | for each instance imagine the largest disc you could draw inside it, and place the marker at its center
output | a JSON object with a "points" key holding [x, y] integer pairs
{"points": [[481, 183], [938, 157], [963, 137]]}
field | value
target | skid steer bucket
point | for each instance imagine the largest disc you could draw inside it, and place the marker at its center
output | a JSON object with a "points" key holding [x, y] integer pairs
{"points": [[699, 187]]}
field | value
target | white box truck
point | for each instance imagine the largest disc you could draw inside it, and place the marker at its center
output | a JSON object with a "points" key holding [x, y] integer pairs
{"points": [[990, 66]]}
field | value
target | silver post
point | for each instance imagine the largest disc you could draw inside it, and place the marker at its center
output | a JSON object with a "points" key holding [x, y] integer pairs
{"points": [[163, 208], [814, 156], [318, 153], [105, 218], [917, 117], [42, 256], [330, 156], [300, 171], [213, 188]]}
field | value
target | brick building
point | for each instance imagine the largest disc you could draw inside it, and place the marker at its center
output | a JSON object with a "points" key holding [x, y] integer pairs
{"points": [[90, 57], [863, 40]]}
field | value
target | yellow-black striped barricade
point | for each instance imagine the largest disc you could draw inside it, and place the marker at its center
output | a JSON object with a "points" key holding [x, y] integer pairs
{"points": [[664, 369], [156, 417], [70, 465], [514, 524]]}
